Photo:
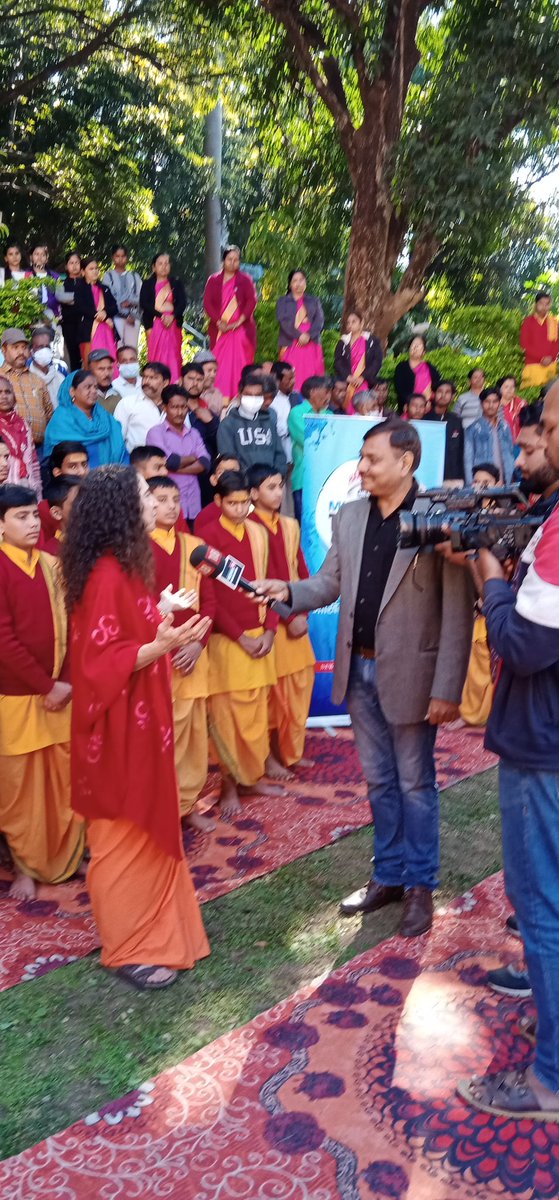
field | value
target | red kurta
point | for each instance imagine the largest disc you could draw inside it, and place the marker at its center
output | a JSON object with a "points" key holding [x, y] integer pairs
{"points": [[278, 564], [236, 612], [122, 720], [168, 571], [205, 521], [26, 632], [535, 339]]}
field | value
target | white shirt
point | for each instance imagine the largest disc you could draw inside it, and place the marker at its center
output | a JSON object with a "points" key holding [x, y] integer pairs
{"points": [[282, 409], [53, 380], [126, 387], [137, 415]]}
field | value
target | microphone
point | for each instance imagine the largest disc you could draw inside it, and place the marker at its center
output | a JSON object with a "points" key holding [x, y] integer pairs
{"points": [[229, 571]]}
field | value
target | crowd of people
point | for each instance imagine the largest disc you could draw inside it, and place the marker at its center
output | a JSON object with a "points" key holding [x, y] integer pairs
{"points": [[127, 665]]}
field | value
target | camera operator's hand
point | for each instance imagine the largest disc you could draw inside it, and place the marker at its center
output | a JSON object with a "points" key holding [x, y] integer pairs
{"points": [[488, 567], [442, 712]]}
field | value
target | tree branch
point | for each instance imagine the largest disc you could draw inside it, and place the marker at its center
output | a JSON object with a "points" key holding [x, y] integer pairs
{"points": [[327, 85]]}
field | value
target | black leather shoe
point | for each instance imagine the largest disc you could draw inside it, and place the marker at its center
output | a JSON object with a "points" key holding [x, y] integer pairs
{"points": [[367, 899], [418, 912]]}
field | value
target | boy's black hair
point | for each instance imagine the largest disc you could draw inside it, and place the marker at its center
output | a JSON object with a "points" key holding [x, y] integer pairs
{"points": [[231, 481], [15, 495], [260, 472], [62, 449], [489, 468], [141, 454], [163, 481], [60, 487]]}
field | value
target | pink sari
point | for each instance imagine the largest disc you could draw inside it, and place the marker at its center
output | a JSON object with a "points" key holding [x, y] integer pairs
{"points": [[102, 336], [358, 351], [306, 360], [165, 345], [233, 350]]}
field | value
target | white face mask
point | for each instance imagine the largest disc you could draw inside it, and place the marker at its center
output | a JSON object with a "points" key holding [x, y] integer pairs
{"points": [[43, 357], [250, 406], [129, 370]]}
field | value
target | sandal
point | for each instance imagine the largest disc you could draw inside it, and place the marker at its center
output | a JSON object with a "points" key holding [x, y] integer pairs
{"points": [[505, 1095], [528, 1028], [138, 976]]}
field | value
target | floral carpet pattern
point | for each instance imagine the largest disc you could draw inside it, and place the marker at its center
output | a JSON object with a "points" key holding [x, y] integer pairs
{"points": [[324, 803], [345, 1091]]}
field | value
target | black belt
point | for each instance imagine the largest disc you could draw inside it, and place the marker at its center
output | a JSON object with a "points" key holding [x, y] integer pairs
{"points": [[364, 652]]}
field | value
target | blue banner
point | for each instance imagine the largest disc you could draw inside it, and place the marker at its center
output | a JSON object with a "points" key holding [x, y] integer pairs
{"points": [[330, 479]]}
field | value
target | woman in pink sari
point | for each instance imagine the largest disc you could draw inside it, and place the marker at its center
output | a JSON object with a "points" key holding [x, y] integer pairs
{"points": [[162, 304], [95, 305], [357, 359], [301, 321], [229, 302]]}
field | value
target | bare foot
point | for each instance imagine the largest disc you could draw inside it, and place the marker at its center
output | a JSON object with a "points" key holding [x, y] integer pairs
{"points": [[275, 770], [262, 789], [546, 1098], [229, 803], [305, 763], [196, 821], [23, 887]]}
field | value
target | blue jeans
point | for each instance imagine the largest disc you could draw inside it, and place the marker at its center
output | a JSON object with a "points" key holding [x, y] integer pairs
{"points": [[530, 815], [399, 766]]}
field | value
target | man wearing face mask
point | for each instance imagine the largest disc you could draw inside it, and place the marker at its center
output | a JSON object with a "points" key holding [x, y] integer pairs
{"points": [[127, 382], [250, 433], [42, 362]]}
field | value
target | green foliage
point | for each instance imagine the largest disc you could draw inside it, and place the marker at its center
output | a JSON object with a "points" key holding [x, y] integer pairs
{"points": [[19, 305]]}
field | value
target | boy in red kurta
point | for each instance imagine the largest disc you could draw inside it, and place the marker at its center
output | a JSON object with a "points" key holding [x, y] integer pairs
{"points": [[539, 338], [290, 697], [189, 682], [60, 496], [241, 663], [211, 513], [46, 840]]}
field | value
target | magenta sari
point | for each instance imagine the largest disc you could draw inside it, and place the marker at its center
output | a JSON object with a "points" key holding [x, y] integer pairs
{"points": [[102, 336], [165, 345], [358, 352], [233, 350], [306, 360]]}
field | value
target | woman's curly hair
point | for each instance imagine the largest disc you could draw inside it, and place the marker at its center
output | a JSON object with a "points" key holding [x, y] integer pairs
{"points": [[106, 518]]}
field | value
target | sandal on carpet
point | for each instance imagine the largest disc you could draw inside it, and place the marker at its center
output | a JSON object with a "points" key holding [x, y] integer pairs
{"points": [[528, 1028], [138, 976], [507, 1094]]}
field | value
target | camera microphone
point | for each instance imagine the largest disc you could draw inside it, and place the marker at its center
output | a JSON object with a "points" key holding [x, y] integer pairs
{"points": [[229, 571]]}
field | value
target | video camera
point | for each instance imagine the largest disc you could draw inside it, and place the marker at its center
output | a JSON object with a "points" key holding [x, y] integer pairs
{"points": [[470, 518]]}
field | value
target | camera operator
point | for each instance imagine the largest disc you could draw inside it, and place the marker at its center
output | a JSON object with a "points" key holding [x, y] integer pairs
{"points": [[523, 730], [404, 639]]}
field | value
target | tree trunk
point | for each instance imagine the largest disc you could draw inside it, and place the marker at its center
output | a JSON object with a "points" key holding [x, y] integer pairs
{"points": [[213, 139]]}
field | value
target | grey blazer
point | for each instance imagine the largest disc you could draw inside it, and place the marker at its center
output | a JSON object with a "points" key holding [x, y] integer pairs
{"points": [[424, 629]]}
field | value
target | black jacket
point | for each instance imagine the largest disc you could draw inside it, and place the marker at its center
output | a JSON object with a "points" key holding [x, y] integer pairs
{"points": [[85, 307], [373, 358], [454, 454], [147, 300], [404, 382]]}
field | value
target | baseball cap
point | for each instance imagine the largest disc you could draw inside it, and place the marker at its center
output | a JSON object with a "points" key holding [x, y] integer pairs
{"points": [[11, 336], [98, 355], [204, 356]]}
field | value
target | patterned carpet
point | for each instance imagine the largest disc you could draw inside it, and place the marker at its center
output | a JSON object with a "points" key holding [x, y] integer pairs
{"points": [[325, 803], [346, 1090]]}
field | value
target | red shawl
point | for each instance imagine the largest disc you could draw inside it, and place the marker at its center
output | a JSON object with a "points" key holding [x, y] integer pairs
{"points": [[246, 299], [122, 720]]}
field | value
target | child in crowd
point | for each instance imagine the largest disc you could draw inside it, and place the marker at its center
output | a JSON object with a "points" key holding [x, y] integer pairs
{"points": [[211, 513], [149, 461], [290, 697], [172, 552], [60, 496], [241, 663], [416, 407], [45, 838], [66, 458]]}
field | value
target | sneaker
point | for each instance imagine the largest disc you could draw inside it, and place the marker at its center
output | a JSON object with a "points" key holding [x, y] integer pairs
{"points": [[509, 982], [511, 926]]}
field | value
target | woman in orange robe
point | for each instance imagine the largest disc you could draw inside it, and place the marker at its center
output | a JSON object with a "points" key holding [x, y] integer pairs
{"points": [[123, 773]]}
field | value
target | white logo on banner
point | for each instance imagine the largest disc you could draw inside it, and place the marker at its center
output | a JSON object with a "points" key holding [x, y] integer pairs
{"points": [[343, 485]]}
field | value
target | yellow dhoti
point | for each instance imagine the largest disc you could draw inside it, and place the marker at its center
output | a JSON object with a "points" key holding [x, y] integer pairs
{"points": [[45, 837], [477, 696], [191, 734], [238, 707], [534, 375], [290, 697], [143, 901]]}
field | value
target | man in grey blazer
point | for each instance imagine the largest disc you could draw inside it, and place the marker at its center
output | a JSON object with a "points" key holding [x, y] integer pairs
{"points": [[404, 641]]}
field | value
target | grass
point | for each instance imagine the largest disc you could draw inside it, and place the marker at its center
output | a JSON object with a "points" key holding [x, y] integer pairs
{"points": [[77, 1038]]}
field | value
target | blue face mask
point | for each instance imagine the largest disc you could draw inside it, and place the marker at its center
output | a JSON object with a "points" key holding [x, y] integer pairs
{"points": [[129, 370]]}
